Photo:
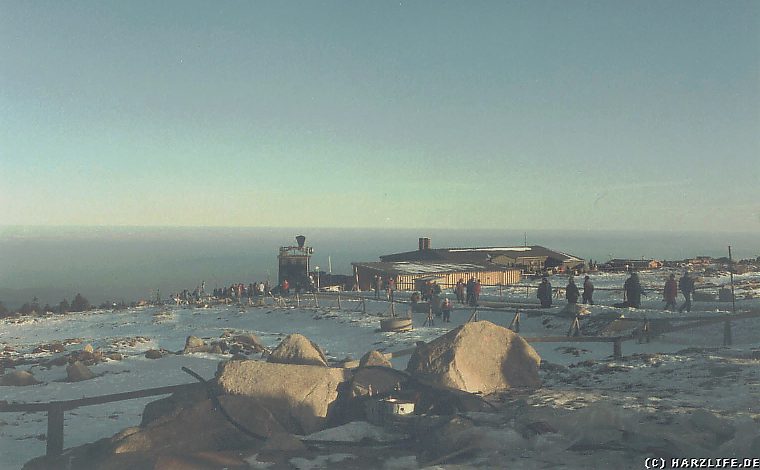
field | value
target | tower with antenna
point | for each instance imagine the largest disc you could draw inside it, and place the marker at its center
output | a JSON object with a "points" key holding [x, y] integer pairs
{"points": [[294, 262]]}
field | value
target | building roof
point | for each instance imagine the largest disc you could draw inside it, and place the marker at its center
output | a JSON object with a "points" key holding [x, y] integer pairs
{"points": [[479, 255], [425, 267]]}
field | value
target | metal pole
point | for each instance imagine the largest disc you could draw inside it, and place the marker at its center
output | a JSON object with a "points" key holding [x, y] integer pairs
{"points": [[617, 349], [731, 272], [55, 430]]}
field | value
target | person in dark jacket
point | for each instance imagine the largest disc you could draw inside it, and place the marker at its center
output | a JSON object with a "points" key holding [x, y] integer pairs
{"points": [[571, 292], [670, 292], [686, 284], [633, 291], [588, 291], [545, 293]]}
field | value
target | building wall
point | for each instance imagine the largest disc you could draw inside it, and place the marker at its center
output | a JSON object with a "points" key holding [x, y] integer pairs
{"points": [[446, 280]]}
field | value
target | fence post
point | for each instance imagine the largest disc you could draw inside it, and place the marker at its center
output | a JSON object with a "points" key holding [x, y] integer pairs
{"points": [[54, 430], [316, 300], [339, 306], [575, 328], [364, 305], [298, 300], [617, 348], [727, 340], [515, 325]]}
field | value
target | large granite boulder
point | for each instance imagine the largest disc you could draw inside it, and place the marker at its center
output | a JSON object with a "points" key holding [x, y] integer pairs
{"points": [[194, 344], [77, 372], [250, 341], [200, 427], [300, 396], [374, 358], [298, 349], [477, 357], [18, 378]]}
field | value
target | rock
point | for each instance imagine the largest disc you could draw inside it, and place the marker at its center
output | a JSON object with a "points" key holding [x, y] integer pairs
{"points": [[170, 406], [54, 347], [77, 372], [18, 378], [194, 344], [58, 361], [154, 354], [114, 356], [374, 358], [250, 340], [201, 461], [218, 347], [298, 349], [299, 396], [200, 427], [283, 442], [703, 420], [88, 348], [477, 357]]}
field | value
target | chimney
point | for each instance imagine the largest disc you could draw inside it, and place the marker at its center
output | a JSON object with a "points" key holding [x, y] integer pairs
{"points": [[424, 244], [301, 240]]}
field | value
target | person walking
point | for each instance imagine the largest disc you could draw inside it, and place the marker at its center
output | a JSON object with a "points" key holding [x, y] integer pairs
{"points": [[633, 291], [571, 292], [545, 293], [446, 308], [588, 291], [686, 285], [378, 285], [670, 292], [459, 290], [470, 287]]}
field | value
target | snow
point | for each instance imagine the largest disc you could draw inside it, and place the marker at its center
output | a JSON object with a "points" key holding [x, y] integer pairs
{"points": [[516, 248], [354, 431], [677, 372]]}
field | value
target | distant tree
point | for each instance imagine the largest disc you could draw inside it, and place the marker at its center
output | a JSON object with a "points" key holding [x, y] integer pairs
{"points": [[25, 309], [47, 308], [3, 310], [64, 306], [80, 304]]}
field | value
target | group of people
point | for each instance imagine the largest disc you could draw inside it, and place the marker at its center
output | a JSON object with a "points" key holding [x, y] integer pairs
{"points": [[468, 293], [572, 292], [632, 292], [384, 285]]}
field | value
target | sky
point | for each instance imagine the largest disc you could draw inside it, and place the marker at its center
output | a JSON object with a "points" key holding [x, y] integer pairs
{"points": [[574, 115]]}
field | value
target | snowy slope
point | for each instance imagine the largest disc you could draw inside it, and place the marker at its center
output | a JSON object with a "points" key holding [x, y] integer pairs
{"points": [[663, 374]]}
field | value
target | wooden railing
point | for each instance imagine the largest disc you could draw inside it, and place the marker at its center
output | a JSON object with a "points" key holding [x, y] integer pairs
{"points": [[55, 410]]}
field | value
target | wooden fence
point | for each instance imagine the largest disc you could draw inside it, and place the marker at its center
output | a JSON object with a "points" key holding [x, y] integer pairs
{"points": [[55, 410]]}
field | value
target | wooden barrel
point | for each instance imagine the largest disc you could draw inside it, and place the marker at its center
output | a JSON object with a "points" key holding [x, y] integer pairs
{"points": [[396, 324]]}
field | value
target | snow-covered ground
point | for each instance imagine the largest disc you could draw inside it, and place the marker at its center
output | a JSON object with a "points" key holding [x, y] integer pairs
{"points": [[684, 370]]}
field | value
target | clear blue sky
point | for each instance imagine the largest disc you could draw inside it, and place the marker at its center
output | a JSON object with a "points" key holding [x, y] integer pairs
{"points": [[560, 114]]}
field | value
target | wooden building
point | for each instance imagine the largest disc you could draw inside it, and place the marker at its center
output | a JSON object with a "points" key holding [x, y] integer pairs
{"points": [[631, 264], [532, 258], [408, 274]]}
